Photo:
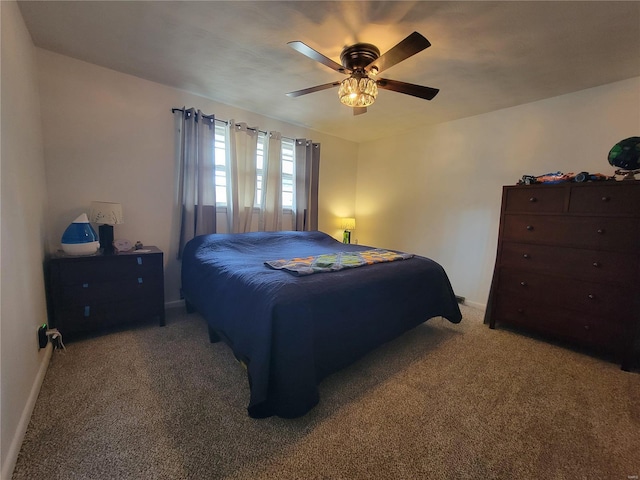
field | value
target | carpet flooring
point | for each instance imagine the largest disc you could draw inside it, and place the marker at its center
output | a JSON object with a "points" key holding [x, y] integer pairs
{"points": [[443, 401]]}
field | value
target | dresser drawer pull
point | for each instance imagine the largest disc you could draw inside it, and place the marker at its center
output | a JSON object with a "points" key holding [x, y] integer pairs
{"points": [[596, 264], [586, 327], [520, 310], [529, 227], [524, 284], [139, 260], [591, 296], [85, 285], [533, 199], [526, 255], [87, 310], [606, 199], [600, 231], [140, 280]]}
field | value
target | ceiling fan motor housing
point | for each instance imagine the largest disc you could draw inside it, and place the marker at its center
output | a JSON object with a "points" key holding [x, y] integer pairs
{"points": [[358, 56]]}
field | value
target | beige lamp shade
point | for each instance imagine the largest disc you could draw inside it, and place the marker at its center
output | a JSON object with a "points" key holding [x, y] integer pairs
{"points": [[348, 224], [108, 213]]}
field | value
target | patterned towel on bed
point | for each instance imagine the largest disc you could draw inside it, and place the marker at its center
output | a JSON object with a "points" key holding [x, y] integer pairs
{"points": [[333, 262]]}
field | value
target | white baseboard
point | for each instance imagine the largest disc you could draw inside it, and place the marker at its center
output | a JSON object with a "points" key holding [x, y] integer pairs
{"points": [[174, 304], [18, 437], [481, 306]]}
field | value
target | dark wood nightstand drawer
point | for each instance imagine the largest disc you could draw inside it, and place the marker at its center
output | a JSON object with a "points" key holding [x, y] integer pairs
{"points": [[605, 233], [616, 199], [535, 200], [119, 266], [129, 288], [86, 318], [593, 265]]}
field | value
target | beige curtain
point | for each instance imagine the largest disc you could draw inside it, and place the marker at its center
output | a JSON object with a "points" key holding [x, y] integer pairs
{"points": [[270, 218], [241, 161]]}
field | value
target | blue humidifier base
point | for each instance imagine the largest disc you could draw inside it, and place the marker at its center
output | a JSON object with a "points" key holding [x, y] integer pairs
{"points": [[80, 238]]}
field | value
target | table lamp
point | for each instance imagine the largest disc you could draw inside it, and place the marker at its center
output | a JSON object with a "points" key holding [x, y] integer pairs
{"points": [[348, 224], [106, 214]]}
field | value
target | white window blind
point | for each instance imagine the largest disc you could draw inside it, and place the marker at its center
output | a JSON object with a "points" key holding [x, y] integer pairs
{"points": [[288, 162]]}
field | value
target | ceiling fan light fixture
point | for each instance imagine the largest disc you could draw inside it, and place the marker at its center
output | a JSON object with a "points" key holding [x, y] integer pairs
{"points": [[358, 91]]}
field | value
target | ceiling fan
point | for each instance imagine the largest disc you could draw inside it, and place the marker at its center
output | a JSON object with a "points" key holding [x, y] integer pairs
{"points": [[363, 62]]}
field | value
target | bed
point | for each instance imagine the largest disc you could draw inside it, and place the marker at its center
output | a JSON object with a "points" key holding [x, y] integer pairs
{"points": [[291, 330]]}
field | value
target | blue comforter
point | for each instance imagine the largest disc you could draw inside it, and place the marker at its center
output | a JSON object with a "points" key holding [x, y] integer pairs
{"points": [[290, 331]]}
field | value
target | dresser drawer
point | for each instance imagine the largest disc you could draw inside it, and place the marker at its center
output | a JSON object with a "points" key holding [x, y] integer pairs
{"points": [[128, 288], [527, 288], [564, 324], [592, 265], [605, 233], [535, 199], [109, 269], [86, 318], [616, 199]]}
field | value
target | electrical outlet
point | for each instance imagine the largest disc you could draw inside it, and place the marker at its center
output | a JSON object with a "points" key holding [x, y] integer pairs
{"points": [[42, 336]]}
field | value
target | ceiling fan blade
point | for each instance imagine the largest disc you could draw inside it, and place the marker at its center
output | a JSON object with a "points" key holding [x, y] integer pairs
{"points": [[408, 88], [317, 56], [359, 110], [411, 45], [317, 88]]}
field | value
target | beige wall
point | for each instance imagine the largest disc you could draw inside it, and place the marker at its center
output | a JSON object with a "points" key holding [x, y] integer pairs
{"points": [[110, 137], [24, 196], [436, 191]]}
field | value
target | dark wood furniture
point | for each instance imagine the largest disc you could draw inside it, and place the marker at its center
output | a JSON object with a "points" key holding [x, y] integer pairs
{"points": [[568, 264], [92, 292]]}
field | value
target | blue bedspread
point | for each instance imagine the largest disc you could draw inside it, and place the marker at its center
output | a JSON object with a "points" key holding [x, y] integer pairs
{"points": [[293, 331]]}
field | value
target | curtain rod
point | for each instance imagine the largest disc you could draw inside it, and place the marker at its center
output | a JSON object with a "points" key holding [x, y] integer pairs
{"points": [[226, 122]]}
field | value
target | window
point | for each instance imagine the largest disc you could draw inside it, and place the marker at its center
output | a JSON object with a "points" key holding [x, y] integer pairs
{"points": [[220, 162], [288, 162]]}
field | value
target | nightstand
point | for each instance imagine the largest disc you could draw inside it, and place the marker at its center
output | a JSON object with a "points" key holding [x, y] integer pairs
{"points": [[98, 291]]}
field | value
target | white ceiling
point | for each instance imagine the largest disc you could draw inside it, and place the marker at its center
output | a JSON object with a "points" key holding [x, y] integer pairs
{"points": [[484, 55]]}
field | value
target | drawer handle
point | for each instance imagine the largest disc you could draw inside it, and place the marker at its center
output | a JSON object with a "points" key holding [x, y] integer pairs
{"points": [[87, 310], [533, 199], [85, 285], [600, 231], [524, 284], [526, 255], [591, 296], [529, 227], [140, 280], [586, 327], [596, 264], [139, 260], [606, 199], [520, 310]]}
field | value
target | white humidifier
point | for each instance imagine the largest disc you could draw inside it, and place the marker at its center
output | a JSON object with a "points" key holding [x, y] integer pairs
{"points": [[80, 238]]}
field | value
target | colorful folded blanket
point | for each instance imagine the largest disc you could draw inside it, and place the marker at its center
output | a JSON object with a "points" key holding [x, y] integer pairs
{"points": [[333, 262]]}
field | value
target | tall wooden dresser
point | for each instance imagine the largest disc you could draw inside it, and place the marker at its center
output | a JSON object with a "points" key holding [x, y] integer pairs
{"points": [[568, 264]]}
